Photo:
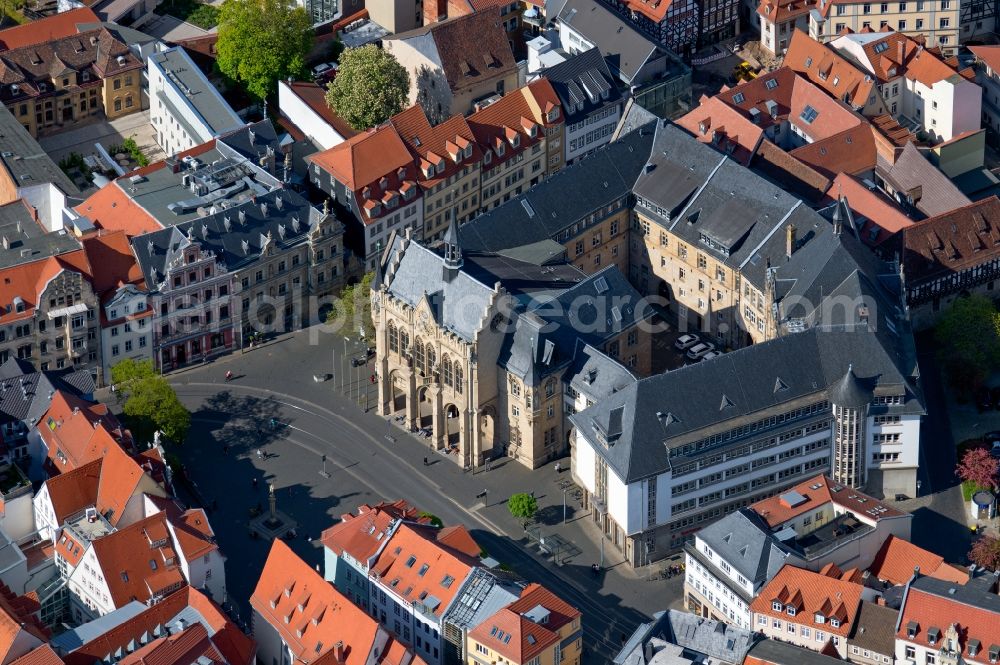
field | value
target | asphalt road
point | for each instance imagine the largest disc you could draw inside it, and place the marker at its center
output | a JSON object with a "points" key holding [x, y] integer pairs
{"points": [[369, 459]]}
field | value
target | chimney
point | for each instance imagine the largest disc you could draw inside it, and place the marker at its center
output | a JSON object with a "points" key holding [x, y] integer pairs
{"points": [[338, 651], [790, 240], [900, 50]]}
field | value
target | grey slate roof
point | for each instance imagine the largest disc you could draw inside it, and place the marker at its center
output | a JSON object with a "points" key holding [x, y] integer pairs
{"points": [[459, 304], [744, 540], [25, 240], [25, 160], [698, 637], [253, 140], [583, 81], [634, 116], [626, 49], [597, 375], [545, 210], [25, 394], [912, 169], [287, 221], [977, 592], [874, 628], [752, 379], [850, 392]]}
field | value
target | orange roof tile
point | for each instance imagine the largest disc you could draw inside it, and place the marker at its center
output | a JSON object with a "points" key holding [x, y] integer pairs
{"points": [[811, 594], [784, 10], [826, 68], [194, 534], [188, 646], [111, 260], [819, 491], [879, 216], [929, 610], [308, 612], [490, 125], [46, 29], [990, 55], [896, 54], [419, 568], [363, 159], [897, 558], [518, 638], [77, 432], [27, 281], [111, 208], [851, 151], [739, 136], [75, 490], [422, 139], [231, 642], [951, 242], [43, 655]]}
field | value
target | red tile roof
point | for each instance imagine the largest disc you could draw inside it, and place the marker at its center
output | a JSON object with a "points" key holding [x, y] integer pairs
{"points": [[77, 432], [431, 144], [951, 242], [897, 558], [880, 213], [233, 644], [194, 534], [716, 123], [516, 637], [515, 114], [20, 629], [43, 655], [27, 281], [417, 566], [928, 610], [46, 29], [819, 491], [899, 55], [309, 614], [361, 535], [111, 208], [811, 594], [111, 260], [74, 491], [990, 55], [851, 151], [826, 68], [182, 648], [776, 11]]}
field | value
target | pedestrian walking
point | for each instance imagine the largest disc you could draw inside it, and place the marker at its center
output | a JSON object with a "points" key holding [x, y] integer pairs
{"points": [[254, 483], [372, 379], [425, 461], [260, 455], [489, 465]]}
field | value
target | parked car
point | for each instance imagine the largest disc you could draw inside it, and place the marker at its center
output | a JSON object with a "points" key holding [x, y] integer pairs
{"points": [[325, 72], [358, 362], [710, 355], [700, 349], [685, 342]]}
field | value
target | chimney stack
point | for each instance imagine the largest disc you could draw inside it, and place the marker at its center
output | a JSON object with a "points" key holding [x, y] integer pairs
{"points": [[900, 50], [338, 651], [790, 240]]}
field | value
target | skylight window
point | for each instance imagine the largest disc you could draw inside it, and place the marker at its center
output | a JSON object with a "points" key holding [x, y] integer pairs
{"points": [[809, 114], [881, 46], [809, 61], [738, 98], [771, 84], [409, 562]]}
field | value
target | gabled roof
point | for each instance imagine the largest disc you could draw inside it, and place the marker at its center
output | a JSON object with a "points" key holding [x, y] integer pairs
{"points": [[308, 613], [950, 242], [112, 209], [777, 11], [626, 49], [874, 628], [583, 83], [895, 54], [21, 286], [363, 159], [526, 627], [158, 620], [111, 260], [811, 594], [912, 174], [877, 216], [421, 569], [190, 645], [743, 540], [826, 68], [77, 432], [361, 535], [445, 141], [74, 491], [775, 652], [469, 49], [973, 607], [897, 559], [20, 631], [46, 29], [990, 55], [43, 655], [718, 124]]}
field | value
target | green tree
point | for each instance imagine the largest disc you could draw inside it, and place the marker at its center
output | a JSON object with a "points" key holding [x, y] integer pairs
{"points": [[371, 87], [985, 552], [262, 42], [150, 402], [522, 506], [969, 341], [353, 310]]}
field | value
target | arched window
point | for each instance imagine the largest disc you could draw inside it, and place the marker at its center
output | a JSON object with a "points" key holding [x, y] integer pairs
{"points": [[446, 370], [430, 358], [459, 375], [393, 337], [418, 354], [404, 341]]}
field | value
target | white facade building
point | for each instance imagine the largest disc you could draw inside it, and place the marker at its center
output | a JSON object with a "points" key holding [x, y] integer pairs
{"points": [[304, 105], [184, 107], [126, 328]]}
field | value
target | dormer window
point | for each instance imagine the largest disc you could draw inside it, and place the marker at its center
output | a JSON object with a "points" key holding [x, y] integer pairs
{"points": [[533, 131], [776, 605], [440, 166], [515, 141], [835, 623], [552, 115], [429, 171], [487, 157], [376, 210], [703, 128], [911, 629], [820, 618], [500, 150], [383, 184], [468, 151], [790, 610]]}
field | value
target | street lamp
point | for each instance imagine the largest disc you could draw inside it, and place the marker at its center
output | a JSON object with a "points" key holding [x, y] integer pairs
{"points": [[564, 505]]}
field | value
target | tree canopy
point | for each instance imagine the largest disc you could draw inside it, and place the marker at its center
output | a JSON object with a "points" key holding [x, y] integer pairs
{"points": [[985, 552], [522, 506], [262, 42], [979, 468], [150, 402], [371, 87], [353, 310], [969, 338]]}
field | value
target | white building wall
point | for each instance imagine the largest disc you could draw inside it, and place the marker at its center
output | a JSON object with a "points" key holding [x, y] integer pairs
{"points": [[311, 123], [89, 594], [18, 517], [49, 201], [705, 582], [126, 339], [598, 129], [271, 650], [45, 514]]}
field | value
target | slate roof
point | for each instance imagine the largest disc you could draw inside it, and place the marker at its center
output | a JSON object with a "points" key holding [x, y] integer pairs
{"points": [[595, 374], [874, 628], [561, 200], [585, 80], [743, 539], [237, 235], [721, 642], [31, 403], [22, 157], [774, 652], [765, 376], [194, 90], [625, 48]]}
